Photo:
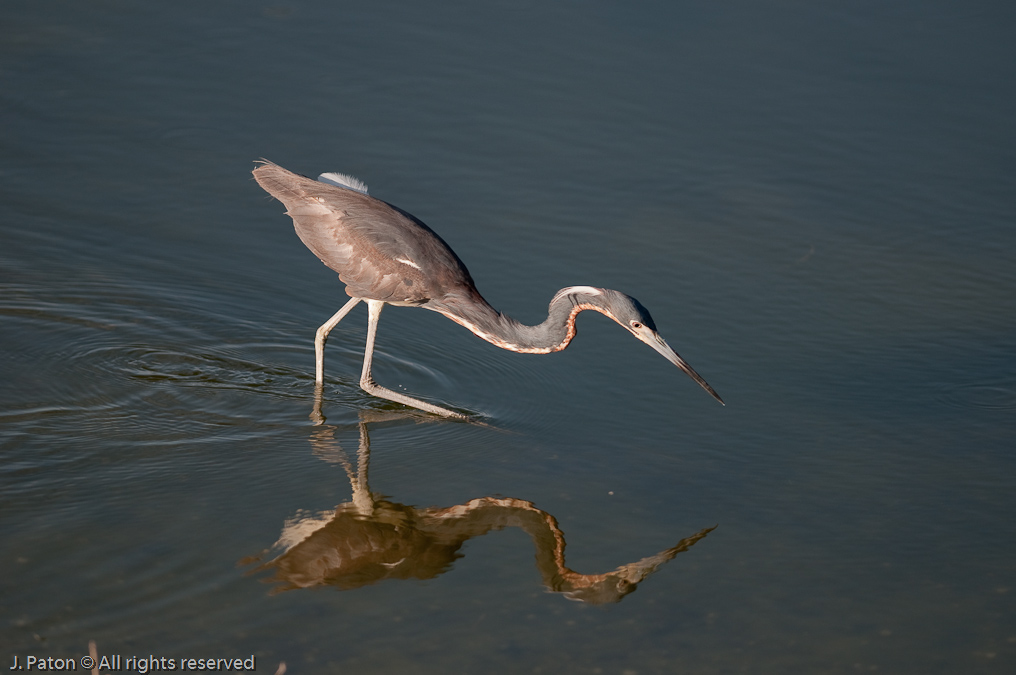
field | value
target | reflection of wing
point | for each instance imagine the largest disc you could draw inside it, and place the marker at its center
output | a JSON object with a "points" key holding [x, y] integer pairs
{"points": [[350, 550], [301, 527], [379, 251]]}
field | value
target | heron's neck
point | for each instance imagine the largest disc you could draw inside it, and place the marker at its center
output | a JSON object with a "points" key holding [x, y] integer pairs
{"points": [[552, 335]]}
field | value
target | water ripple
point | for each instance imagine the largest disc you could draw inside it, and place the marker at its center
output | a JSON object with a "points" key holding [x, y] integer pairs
{"points": [[147, 365], [996, 396]]}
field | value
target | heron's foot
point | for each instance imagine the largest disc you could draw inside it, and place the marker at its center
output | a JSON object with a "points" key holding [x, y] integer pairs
{"points": [[375, 389]]}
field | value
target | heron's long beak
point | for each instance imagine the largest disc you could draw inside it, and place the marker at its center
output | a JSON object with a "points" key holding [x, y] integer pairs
{"points": [[660, 345]]}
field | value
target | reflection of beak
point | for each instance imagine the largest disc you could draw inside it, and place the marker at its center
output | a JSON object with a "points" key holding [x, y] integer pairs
{"points": [[660, 345]]}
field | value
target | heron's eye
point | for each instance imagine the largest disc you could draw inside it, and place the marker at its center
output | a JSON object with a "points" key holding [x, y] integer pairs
{"points": [[636, 325]]}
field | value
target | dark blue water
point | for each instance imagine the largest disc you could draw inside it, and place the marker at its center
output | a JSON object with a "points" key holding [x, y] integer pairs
{"points": [[814, 201]]}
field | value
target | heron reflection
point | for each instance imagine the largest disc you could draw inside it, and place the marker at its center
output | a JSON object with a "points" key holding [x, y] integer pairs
{"points": [[371, 539]]}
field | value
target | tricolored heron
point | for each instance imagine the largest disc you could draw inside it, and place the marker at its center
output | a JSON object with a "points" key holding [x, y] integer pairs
{"points": [[385, 255]]}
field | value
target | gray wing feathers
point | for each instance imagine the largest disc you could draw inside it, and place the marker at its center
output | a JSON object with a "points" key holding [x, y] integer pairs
{"points": [[364, 240]]}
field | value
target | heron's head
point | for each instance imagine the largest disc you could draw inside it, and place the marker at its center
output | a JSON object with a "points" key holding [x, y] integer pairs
{"points": [[633, 317]]}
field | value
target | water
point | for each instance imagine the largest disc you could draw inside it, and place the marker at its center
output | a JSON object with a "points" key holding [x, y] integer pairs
{"points": [[814, 201]]}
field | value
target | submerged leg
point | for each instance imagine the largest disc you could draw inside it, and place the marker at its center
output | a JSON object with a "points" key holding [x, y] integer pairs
{"points": [[322, 335], [317, 415], [374, 308]]}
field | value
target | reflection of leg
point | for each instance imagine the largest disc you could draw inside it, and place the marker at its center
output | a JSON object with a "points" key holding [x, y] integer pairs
{"points": [[327, 448], [361, 490], [322, 335], [374, 308]]}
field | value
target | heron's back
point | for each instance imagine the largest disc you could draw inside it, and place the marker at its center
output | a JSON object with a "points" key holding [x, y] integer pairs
{"points": [[380, 252]]}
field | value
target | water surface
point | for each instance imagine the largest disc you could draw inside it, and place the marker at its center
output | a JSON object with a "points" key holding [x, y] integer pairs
{"points": [[815, 202]]}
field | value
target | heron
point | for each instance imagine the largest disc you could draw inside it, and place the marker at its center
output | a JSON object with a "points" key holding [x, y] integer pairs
{"points": [[385, 255]]}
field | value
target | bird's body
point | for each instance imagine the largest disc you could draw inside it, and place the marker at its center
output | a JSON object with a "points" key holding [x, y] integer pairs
{"points": [[385, 255]]}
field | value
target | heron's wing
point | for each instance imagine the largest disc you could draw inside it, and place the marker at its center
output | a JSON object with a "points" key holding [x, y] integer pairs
{"points": [[380, 252]]}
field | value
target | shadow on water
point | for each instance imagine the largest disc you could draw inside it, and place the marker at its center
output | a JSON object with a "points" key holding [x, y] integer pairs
{"points": [[371, 539]]}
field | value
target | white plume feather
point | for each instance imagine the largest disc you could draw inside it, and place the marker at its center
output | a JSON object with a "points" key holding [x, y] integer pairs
{"points": [[343, 181], [588, 290]]}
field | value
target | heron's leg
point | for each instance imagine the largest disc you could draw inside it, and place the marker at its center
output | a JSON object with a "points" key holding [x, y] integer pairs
{"points": [[317, 416], [322, 335], [374, 308]]}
